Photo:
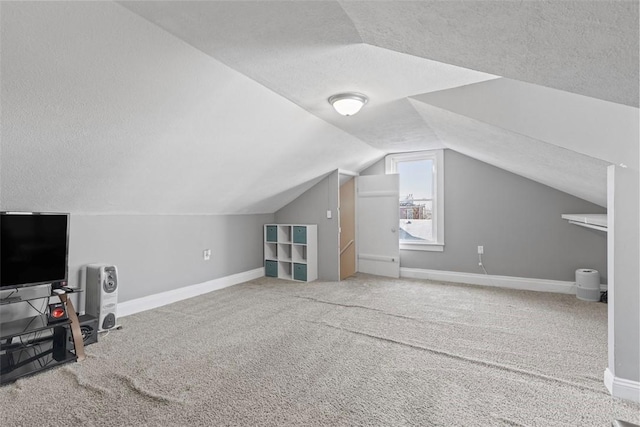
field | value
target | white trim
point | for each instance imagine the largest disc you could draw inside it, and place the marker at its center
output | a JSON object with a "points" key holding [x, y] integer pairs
{"points": [[509, 282], [381, 193], [622, 388], [611, 318], [429, 247], [439, 198], [608, 380], [163, 298], [355, 213], [437, 156], [373, 257], [347, 172], [595, 221], [583, 224]]}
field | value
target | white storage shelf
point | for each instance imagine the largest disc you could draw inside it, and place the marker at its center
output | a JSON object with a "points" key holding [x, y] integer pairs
{"points": [[594, 221], [291, 251]]}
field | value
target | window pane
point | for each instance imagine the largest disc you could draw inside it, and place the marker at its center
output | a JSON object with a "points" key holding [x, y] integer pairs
{"points": [[416, 222], [416, 216], [416, 179]]}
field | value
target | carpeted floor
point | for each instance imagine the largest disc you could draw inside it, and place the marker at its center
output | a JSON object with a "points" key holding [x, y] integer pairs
{"points": [[366, 351]]}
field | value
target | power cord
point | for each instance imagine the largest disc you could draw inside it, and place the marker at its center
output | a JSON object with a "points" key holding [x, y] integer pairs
{"points": [[13, 291], [603, 297], [10, 297], [481, 264], [41, 310]]}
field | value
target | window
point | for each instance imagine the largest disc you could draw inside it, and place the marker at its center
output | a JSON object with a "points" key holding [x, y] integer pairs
{"points": [[421, 202]]}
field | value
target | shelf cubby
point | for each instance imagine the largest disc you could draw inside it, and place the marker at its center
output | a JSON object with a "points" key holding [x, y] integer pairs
{"points": [[271, 251], [299, 253], [271, 233], [284, 234], [284, 252], [284, 270]]}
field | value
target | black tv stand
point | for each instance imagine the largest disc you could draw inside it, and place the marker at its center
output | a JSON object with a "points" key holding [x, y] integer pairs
{"points": [[32, 345], [10, 300]]}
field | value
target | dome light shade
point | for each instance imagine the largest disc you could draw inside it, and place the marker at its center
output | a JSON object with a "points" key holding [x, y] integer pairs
{"points": [[348, 104]]}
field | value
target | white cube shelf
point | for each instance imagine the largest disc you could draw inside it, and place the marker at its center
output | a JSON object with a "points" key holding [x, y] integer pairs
{"points": [[291, 251]]}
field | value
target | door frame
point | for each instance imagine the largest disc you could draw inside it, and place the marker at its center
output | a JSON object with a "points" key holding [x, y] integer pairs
{"points": [[353, 176]]}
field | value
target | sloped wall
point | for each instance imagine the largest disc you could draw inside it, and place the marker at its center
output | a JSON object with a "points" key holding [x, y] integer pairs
{"points": [[104, 112], [311, 208], [518, 221], [156, 149]]}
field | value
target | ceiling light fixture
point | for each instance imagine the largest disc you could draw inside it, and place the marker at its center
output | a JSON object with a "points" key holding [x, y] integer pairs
{"points": [[348, 103]]}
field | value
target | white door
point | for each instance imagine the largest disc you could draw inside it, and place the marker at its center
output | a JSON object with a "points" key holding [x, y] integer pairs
{"points": [[377, 222]]}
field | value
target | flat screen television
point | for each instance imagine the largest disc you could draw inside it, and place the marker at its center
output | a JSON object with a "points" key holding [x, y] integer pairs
{"points": [[34, 248]]}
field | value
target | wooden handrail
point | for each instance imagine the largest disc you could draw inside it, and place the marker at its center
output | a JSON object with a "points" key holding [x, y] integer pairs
{"points": [[347, 246]]}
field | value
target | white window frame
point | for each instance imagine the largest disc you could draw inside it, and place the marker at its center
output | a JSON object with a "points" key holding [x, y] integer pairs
{"points": [[437, 156]]}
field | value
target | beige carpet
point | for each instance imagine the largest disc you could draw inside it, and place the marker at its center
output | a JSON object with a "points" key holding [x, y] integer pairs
{"points": [[366, 351]]}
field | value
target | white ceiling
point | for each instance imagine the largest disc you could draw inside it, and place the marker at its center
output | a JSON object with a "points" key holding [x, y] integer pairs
{"points": [[221, 107], [110, 114], [588, 47], [308, 51], [565, 170], [558, 138]]}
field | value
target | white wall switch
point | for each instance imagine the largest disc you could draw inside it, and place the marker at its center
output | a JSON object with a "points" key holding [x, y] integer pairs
{"points": [[480, 250], [329, 214], [206, 254]]}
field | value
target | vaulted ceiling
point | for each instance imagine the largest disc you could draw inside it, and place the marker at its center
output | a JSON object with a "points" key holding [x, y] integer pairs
{"points": [[221, 107]]}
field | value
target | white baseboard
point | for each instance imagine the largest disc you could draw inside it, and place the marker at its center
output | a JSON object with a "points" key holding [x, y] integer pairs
{"points": [[622, 388], [158, 300], [522, 283]]}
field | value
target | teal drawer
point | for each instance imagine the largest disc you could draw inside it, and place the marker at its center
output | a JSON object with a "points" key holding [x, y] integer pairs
{"points": [[272, 233], [271, 268], [300, 272], [299, 234]]}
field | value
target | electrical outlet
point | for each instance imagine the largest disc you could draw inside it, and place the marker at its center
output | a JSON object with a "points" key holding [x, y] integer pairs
{"points": [[480, 250], [206, 254]]}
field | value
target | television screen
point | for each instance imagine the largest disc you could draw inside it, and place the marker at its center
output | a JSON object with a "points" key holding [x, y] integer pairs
{"points": [[33, 248]]}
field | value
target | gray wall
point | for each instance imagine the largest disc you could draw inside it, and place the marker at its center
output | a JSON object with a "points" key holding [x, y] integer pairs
{"points": [[624, 247], [157, 253], [377, 168], [518, 221], [311, 208]]}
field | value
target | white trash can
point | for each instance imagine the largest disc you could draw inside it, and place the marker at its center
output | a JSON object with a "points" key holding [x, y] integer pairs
{"points": [[588, 284]]}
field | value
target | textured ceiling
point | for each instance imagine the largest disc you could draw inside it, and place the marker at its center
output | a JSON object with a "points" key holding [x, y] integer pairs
{"points": [[221, 107], [588, 47], [402, 50], [104, 112], [308, 51], [603, 130], [564, 170], [560, 139]]}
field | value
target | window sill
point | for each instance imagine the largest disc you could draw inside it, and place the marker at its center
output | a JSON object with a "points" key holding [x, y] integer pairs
{"points": [[428, 247]]}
